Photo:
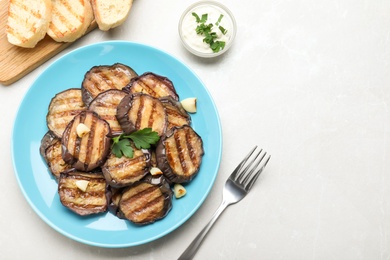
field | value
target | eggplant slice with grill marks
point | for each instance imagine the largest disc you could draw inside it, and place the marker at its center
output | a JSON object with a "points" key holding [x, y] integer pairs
{"points": [[101, 78], [51, 152], [154, 85], [139, 111], [84, 193], [63, 107], [105, 105], [90, 150], [177, 116], [124, 171], [146, 201], [54, 159], [179, 154]]}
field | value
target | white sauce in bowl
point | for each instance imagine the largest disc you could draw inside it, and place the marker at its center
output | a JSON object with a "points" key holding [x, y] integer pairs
{"points": [[193, 41]]}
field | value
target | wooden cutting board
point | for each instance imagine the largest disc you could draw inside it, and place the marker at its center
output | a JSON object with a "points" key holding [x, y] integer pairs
{"points": [[16, 62]]}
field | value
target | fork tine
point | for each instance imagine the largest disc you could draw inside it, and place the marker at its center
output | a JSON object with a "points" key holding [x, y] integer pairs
{"points": [[239, 167], [254, 165], [249, 185]]}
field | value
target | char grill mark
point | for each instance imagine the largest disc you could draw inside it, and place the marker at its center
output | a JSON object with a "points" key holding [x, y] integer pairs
{"points": [[152, 114], [190, 148], [77, 140], [180, 150], [138, 163], [140, 113], [147, 87], [91, 141]]}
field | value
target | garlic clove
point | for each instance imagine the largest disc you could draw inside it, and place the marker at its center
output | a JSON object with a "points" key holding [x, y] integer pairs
{"points": [[155, 171], [189, 104], [179, 190], [82, 184], [82, 130]]}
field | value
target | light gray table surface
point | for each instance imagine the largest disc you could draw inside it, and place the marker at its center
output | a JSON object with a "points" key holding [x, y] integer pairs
{"points": [[308, 81]]}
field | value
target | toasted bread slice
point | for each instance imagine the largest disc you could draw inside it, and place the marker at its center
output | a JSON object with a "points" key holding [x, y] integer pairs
{"points": [[28, 21], [111, 13], [70, 19]]}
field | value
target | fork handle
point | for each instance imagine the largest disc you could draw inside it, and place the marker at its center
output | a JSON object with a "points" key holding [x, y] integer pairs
{"points": [[195, 244]]}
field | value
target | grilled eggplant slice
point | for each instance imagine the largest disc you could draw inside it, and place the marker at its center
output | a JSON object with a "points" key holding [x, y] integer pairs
{"points": [[177, 116], [84, 193], [179, 154], [54, 159], [63, 107], [89, 151], [124, 171], [146, 201], [101, 78], [105, 105], [50, 150], [139, 111], [154, 85]]}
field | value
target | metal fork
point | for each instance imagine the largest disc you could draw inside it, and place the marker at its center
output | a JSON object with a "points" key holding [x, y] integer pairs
{"points": [[237, 186]]}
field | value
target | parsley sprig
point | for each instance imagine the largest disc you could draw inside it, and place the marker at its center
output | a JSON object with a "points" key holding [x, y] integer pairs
{"points": [[142, 139], [206, 30]]}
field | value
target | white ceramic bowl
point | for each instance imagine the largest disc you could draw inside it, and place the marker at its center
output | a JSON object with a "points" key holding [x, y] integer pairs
{"points": [[194, 42]]}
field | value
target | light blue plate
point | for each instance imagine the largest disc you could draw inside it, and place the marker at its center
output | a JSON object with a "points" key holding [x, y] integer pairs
{"points": [[40, 189]]}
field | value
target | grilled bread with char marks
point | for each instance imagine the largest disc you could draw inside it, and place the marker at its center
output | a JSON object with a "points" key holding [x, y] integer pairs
{"points": [[28, 21], [101, 78], [63, 107], [70, 19], [90, 150]]}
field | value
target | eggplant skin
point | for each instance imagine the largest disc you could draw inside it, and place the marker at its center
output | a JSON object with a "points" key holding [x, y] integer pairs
{"points": [[89, 151], [93, 200], [179, 154], [146, 201], [47, 140], [104, 77]]}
